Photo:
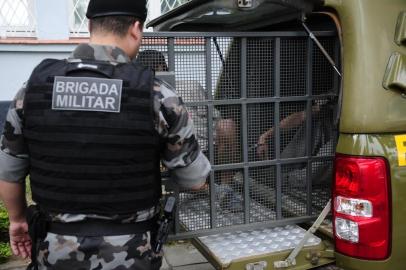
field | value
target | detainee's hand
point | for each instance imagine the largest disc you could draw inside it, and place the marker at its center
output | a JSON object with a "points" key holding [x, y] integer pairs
{"points": [[262, 145], [20, 241]]}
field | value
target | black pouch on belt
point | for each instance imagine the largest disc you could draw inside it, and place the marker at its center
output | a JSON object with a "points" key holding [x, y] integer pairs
{"points": [[37, 229]]}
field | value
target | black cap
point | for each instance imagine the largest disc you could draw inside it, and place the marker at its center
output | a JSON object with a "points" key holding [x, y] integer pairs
{"points": [[104, 8]]}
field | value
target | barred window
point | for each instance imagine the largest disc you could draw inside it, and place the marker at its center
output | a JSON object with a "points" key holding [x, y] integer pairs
{"points": [[168, 5], [17, 18], [79, 22], [77, 19]]}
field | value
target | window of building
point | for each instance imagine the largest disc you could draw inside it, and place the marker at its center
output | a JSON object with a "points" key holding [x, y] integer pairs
{"points": [[17, 18], [77, 18], [168, 5], [79, 22]]}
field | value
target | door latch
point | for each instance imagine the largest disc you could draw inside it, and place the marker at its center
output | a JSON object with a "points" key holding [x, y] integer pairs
{"points": [[256, 266]]}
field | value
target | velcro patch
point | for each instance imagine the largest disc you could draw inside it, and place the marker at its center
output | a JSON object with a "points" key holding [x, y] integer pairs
{"points": [[87, 94]]}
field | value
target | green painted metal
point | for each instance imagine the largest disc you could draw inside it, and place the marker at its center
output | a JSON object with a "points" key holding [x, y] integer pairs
{"points": [[368, 28], [400, 34], [384, 146], [395, 75]]}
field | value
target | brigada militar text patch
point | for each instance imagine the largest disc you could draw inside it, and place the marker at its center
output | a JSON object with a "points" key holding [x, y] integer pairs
{"points": [[87, 94]]}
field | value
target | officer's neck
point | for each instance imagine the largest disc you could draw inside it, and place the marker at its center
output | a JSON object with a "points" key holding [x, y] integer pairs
{"points": [[111, 40]]}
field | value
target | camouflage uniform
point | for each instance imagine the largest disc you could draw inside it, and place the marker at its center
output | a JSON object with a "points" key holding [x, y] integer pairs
{"points": [[182, 156]]}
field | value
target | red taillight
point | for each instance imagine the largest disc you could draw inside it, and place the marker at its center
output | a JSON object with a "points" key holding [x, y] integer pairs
{"points": [[361, 207]]}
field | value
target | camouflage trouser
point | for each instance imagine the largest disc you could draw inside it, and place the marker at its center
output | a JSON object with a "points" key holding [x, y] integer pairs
{"points": [[124, 252]]}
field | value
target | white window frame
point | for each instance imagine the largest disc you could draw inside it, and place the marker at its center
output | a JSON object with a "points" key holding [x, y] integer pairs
{"points": [[82, 30], [7, 30]]}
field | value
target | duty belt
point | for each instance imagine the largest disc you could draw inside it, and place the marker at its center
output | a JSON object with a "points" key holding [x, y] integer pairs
{"points": [[40, 223], [101, 228]]}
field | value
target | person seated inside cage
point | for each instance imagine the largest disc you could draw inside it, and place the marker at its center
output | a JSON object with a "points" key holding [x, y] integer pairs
{"points": [[224, 130], [322, 141]]}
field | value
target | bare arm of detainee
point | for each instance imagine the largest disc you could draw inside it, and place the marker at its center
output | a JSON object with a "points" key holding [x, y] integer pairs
{"points": [[291, 121], [182, 155], [13, 171]]}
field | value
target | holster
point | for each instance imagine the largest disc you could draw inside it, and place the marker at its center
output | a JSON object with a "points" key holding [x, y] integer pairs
{"points": [[37, 229]]}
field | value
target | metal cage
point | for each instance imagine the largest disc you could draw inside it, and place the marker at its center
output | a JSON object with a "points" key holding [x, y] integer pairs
{"points": [[237, 87]]}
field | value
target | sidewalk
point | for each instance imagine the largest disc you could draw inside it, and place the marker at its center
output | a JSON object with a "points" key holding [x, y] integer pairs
{"points": [[184, 256], [179, 256]]}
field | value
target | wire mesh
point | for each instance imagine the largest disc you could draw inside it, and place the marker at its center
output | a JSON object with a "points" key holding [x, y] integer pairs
{"points": [[293, 129], [251, 197], [294, 190], [322, 173], [324, 131], [194, 210], [262, 184], [323, 72], [260, 121], [17, 18], [260, 67], [190, 67], [293, 67], [229, 198], [228, 148], [229, 86]]}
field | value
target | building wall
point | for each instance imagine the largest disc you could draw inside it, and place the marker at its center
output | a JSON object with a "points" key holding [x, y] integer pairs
{"points": [[18, 61], [33, 30]]}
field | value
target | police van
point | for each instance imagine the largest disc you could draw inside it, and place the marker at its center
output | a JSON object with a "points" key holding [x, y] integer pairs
{"points": [[300, 107]]}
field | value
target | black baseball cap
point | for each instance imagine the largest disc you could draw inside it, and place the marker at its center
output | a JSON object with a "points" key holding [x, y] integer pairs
{"points": [[104, 8]]}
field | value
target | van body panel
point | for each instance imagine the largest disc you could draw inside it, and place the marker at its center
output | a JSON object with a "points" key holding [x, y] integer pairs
{"points": [[382, 146], [371, 116], [368, 28]]}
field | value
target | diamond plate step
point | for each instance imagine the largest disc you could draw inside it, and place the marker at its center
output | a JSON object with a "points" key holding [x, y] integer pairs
{"points": [[228, 247]]}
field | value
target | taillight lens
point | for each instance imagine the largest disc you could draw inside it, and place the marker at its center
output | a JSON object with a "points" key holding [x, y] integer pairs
{"points": [[361, 207]]}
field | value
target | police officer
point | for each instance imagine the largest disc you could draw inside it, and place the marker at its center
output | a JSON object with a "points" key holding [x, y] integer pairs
{"points": [[91, 131]]}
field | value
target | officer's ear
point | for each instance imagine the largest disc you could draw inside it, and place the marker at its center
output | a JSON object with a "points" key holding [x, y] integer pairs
{"points": [[136, 30]]}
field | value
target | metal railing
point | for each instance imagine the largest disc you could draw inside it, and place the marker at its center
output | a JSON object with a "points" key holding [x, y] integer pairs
{"points": [[237, 86]]}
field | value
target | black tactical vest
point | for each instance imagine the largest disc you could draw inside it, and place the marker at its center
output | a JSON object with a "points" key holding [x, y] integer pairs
{"points": [[92, 162]]}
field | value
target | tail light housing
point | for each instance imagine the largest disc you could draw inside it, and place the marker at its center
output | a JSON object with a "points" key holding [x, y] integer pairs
{"points": [[361, 207]]}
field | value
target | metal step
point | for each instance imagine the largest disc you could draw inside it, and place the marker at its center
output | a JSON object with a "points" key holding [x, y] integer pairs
{"points": [[242, 245]]}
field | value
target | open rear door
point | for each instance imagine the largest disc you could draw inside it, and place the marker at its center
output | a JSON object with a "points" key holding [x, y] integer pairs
{"points": [[231, 15]]}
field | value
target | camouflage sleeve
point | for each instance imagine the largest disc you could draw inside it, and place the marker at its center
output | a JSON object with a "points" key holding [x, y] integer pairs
{"points": [[182, 154], [14, 162]]}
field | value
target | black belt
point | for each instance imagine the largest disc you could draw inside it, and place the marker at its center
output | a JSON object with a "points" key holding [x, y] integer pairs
{"points": [[101, 227]]}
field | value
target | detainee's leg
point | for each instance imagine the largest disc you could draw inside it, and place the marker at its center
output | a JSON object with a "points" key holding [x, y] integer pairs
{"points": [[226, 143]]}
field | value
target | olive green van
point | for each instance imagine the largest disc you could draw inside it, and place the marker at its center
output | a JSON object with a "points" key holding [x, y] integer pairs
{"points": [[263, 61]]}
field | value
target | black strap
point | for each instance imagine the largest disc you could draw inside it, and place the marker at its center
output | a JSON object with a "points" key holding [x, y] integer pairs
{"points": [[106, 70], [102, 228], [146, 196]]}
